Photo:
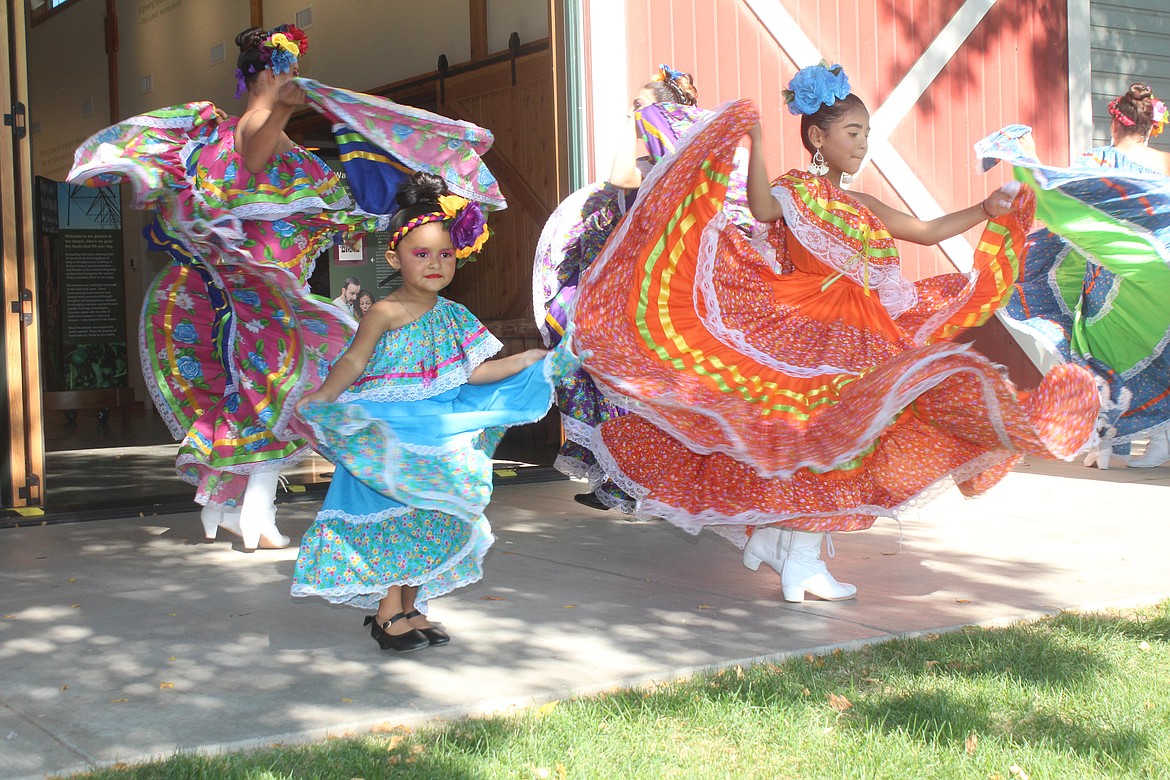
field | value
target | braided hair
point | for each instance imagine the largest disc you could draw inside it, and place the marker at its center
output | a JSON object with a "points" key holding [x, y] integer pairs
{"points": [[1134, 110]]}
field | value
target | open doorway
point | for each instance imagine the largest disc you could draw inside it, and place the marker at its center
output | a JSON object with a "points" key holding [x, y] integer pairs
{"points": [[106, 447]]}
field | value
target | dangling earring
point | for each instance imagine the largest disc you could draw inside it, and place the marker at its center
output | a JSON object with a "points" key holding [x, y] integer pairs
{"points": [[818, 167]]}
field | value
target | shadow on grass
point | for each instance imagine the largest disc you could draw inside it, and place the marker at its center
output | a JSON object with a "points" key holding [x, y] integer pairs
{"points": [[1046, 686]]}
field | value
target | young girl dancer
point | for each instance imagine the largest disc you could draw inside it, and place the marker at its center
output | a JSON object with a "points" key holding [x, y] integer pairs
{"points": [[662, 112], [1094, 289], [411, 413], [818, 399], [230, 338]]}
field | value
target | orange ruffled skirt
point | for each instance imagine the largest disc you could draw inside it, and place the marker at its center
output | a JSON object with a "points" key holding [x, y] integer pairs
{"points": [[817, 390]]}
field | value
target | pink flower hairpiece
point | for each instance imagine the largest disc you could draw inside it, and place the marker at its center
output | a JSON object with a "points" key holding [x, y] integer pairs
{"points": [[1160, 113]]}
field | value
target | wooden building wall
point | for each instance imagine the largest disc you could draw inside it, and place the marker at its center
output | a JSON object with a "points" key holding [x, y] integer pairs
{"points": [[1012, 68], [499, 285]]}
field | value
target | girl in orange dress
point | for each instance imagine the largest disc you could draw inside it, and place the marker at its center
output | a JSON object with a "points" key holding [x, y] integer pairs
{"points": [[807, 388]]}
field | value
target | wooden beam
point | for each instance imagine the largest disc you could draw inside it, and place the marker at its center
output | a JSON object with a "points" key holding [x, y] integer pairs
{"points": [[257, 13], [25, 449], [112, 44], [560, 139], [479, 29]]}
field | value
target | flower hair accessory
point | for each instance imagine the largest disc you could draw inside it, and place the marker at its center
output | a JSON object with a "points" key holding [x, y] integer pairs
{"points": [[469, 230], [815, 86], [667, 73], [278, 51], [462, 218], [1160, 113], [284, 45]]}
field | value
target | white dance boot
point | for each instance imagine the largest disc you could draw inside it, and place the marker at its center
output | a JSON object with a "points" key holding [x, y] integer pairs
{"points": [[1099, 457], [258, 516], [796, 557], [764, 546], [214, 519], [1157, 451], [804, 571]]}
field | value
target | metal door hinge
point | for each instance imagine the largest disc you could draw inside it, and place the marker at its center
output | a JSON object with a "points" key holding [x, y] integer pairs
{"points": [[31, 492], [26, 317], [15, 120]]}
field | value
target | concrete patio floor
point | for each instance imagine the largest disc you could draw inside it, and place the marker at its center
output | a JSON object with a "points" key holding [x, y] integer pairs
{"points": [[130, 638]]}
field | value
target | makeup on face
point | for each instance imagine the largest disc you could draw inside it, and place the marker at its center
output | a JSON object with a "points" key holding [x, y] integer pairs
{"points": [[426, 256]]}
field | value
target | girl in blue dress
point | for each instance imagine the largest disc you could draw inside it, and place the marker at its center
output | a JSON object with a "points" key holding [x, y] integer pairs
{"points": [[411, 414]]}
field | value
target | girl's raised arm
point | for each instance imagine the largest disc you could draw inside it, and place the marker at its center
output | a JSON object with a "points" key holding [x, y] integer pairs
{"points": [[906, 227], [761, 201], [260, 132]]}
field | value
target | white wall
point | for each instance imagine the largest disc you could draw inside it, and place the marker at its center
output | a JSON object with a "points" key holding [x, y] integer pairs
{"points": [[60, 84], [529, 18], [606, 76], [358, 44]]}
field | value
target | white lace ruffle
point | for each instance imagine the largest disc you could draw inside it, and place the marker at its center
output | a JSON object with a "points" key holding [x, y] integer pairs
{"points": [[936, 320], [732, 526], [480, 539], [896, 293], [308, 204], [901, 395], [707, 297], [450, 379]]}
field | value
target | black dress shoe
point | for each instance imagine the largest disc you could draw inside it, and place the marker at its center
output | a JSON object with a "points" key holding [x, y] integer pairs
{"points": [[591, 500], [435, 635], [399, 643]]}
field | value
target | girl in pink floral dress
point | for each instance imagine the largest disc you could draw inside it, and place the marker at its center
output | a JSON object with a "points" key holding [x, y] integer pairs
{"points": [[230, 339]]}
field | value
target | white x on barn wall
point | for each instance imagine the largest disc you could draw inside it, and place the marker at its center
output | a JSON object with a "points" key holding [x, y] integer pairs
{"points": [[803, 52]]}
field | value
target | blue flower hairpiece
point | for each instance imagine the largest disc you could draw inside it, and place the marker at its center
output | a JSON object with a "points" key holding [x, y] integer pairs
{"points": [[815, 86], [668, 73]]}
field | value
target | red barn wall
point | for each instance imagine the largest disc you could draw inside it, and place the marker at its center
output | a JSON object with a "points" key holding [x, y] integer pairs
{"points": [[1012, 68]]}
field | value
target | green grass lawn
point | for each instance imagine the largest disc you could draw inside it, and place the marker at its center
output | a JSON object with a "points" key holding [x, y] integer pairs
{"points": [[1075, 696]]}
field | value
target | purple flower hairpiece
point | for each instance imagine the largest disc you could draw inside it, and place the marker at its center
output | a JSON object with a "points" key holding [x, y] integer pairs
{"points": [[467, 228], [241, 81]]}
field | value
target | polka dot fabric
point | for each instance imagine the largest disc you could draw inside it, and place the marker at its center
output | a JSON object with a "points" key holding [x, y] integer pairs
{"points": [[818, 389]]}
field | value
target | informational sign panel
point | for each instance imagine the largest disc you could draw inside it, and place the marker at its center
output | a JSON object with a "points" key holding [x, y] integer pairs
{"points": [[83, 296]]}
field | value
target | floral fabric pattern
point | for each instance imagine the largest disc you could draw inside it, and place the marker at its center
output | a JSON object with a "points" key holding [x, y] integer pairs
{"points": [[1095, 287], [820, 398], [230, 338], [413, 453], [572, 238]]}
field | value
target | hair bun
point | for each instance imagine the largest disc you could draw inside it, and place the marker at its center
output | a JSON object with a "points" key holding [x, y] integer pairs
{"points": [[421, 187], [251, 38], [684, 83], [1139, 92]]}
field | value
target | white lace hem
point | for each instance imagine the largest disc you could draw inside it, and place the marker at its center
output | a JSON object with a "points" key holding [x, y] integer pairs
{"points": [[367, 597]]}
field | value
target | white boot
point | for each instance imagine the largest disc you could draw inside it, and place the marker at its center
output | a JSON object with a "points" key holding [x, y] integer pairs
{"points": [[214, 519], [1099, 457], [804, 570], [258, 516], [764, 546], [1157, 451]]}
